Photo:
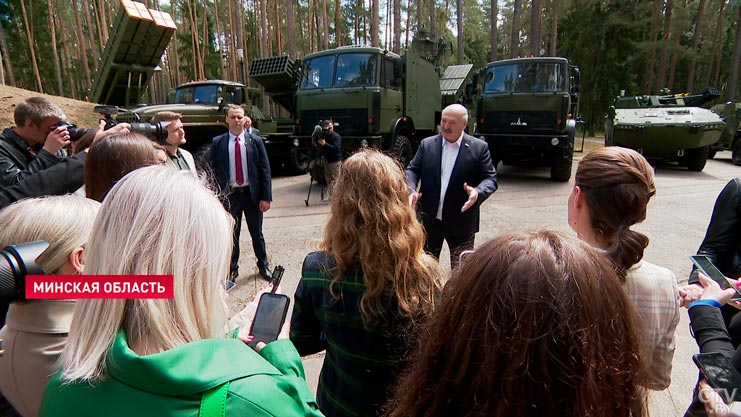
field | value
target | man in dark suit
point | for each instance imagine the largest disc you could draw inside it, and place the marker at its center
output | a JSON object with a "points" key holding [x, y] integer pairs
{"points": [[242, 172], [457, 175]]}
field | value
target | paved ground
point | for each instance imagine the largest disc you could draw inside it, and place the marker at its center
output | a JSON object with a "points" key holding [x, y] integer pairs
{"points": [[526, 200]]}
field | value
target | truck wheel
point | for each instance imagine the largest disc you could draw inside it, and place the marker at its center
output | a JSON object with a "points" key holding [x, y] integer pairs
{"points": [[561, 169], [736, 153], [696, 158], [402, 150], [298, 161]]}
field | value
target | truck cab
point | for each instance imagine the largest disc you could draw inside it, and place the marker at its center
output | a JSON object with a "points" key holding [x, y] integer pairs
{"points": [[525, 111]]}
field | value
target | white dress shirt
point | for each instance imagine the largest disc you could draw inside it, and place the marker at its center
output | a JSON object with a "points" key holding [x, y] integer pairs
{"points": [[232, 167], [449, 155]]}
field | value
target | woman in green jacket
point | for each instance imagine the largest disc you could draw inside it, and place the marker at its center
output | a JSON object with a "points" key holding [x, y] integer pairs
{"points": [[168, 357]]}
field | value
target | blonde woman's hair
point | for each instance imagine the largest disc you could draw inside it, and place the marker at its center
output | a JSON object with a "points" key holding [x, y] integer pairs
{"points": [[371, 227], [147, 227], [64, 222]]}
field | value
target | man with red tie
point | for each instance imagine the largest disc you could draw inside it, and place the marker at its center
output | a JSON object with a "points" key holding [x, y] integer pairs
{"points": [[242, 172]]}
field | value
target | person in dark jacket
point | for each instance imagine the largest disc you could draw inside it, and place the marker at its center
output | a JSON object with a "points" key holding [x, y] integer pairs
{"points": [[331, 143]]}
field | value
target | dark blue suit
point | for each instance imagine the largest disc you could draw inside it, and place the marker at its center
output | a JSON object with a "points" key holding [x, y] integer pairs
{"points": [[472, 166], [245, 201]]}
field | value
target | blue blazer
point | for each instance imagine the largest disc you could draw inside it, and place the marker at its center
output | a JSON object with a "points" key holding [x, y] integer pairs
{"points": [[473, 166], [258, 166]]}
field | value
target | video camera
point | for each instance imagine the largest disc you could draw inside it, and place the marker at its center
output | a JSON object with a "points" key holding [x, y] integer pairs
{"points": [[16, 262], [321, 129], [157, 131]]}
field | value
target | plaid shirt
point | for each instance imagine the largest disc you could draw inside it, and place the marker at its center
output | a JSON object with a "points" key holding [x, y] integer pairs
{"points": [[654, 292], [362, 361]]}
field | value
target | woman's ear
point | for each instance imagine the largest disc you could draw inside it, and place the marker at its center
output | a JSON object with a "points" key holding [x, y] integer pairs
{"points": [[578, 197], [76, 260]]}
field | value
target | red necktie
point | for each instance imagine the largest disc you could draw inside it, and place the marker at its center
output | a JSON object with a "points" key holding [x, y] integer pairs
{"points": [[238, 162]]}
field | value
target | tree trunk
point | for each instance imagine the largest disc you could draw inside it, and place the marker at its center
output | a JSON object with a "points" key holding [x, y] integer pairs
{"points": [[55, 54], [406, 29], [96, 45], [338, 23], [83, 49], [290, 29], [535, 23], [554, 28], [375, 22], [733, 76], [220, 43], [494, 12], [263, 29], [7, 62], [694, 51], [31, 42], [325, 25], [103, 21], [716, 44], [396, 44], [432, 16], [661, 75], [648, 78], [676, 39], [419, 7], [514, 47], [459, 23]]}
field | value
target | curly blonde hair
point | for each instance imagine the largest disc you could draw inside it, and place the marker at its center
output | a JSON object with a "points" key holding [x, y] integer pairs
{"points": [[371, 227]]}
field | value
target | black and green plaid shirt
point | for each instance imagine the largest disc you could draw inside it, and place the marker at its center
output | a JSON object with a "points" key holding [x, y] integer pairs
{"points": [[362, 362]]}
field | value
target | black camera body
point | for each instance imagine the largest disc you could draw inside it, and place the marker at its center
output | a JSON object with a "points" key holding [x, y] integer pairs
{"points": [[17, 261], [75, 133], [156, 131]]}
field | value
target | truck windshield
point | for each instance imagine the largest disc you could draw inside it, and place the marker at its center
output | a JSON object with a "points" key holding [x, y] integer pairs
{"points": [[526, 78], [351, 70], [204, 94]]}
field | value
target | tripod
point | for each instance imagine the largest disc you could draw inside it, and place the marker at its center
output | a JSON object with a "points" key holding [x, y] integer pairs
{"points": [[316, 172]]}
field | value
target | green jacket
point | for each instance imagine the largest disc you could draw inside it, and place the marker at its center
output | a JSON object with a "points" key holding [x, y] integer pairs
{"points": [[172, 383]]}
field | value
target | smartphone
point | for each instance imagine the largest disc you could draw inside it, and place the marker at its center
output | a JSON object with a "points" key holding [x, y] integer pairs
{"points": [[277, 276], [703, 264], [721, 375], [269, 318]]}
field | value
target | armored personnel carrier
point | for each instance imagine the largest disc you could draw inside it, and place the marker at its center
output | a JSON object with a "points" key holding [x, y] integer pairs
{"points": [[670, 127]]}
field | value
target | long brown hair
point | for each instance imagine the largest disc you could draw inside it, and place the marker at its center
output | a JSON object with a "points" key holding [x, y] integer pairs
{"points": [[112, 157], [617, 183], [372, 228], [529, 325]]}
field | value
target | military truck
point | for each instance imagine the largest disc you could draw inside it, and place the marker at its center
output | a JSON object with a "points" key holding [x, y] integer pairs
{"points": [[375, 97], [526, 109], [729, 138], [203, 105]]}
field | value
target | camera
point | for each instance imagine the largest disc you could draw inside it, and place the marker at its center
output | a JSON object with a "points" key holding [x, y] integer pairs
{"points": [[75, 133], [321, 129], [156, 131], [17, 261]]}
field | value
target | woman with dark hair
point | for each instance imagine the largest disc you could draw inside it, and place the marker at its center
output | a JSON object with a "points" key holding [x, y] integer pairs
{"points": [[361, 295], [114, 156], [611, 191], [523, 329]]}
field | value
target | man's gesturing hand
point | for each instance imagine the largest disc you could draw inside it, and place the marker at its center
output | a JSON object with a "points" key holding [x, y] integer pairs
{"points": [[473, 196]]}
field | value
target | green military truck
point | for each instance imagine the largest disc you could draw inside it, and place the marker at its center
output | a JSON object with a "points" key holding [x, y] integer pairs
{"points": [[203, 105], [375, 97], [729, 137], [526, 112]]}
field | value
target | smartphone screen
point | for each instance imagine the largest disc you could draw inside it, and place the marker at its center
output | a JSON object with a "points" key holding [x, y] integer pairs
{"points": [[706, 267], [721, 374], [269, 318]]}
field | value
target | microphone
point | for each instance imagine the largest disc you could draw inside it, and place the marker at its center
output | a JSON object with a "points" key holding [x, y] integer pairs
{"points": [[317, 129]]}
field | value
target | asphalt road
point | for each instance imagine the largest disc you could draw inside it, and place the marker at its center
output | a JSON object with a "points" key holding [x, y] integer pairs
{"points": [[526, 200]]}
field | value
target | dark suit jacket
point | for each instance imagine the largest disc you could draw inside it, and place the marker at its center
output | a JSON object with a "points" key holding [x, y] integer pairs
{"points": [[473, 166], [258, 166]]}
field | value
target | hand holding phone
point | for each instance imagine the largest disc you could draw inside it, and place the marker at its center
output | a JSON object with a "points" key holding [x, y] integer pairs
{"points": [[721, 374], [705, 266], [269, 318]]}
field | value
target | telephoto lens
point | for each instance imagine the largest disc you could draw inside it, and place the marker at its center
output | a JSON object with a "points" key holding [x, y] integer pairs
{"points": [[16, 262]]}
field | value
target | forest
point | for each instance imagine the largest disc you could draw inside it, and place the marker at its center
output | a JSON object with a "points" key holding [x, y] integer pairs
{"points": [[640, 46]]}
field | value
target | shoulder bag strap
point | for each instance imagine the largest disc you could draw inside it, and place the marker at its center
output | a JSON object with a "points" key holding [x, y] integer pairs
{"points": [[213, 402]]}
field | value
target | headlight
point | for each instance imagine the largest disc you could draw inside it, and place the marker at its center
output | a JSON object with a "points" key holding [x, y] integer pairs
{"points": [[554, 141]]}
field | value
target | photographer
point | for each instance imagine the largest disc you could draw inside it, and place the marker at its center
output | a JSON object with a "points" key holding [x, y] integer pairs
{"points": [[330, 141], [35, 143]]}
